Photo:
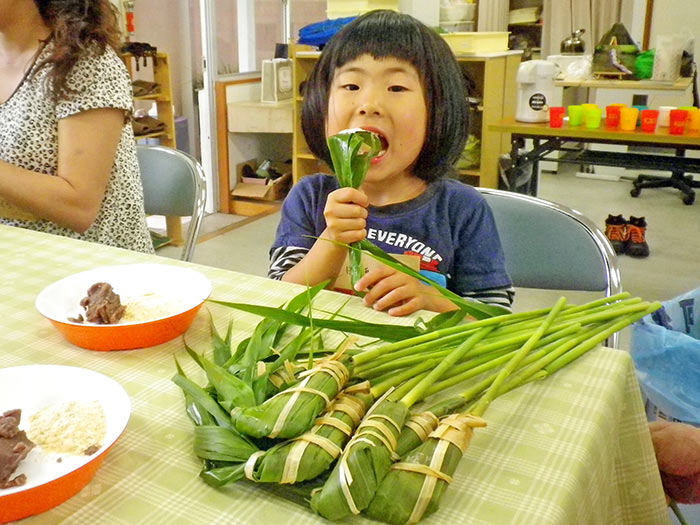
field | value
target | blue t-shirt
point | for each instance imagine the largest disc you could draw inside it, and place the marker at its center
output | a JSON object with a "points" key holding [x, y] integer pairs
{"points": [[449, 225]]}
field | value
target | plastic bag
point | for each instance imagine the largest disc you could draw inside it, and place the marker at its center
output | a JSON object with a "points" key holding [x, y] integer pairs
{"points": [[580, 69], [666, 353], [667, 57]]}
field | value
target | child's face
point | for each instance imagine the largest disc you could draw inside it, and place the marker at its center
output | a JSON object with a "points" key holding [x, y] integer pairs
{"points": [[385, 96]]}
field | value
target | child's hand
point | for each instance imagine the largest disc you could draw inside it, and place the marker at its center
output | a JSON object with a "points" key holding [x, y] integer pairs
{"points": [[677, 448], [398, 293], [346, 215]]}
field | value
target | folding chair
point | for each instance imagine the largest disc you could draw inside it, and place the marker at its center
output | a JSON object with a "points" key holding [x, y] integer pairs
{"points": [[173, 185]]}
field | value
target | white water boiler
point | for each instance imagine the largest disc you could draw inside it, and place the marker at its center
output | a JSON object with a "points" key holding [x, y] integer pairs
{"points": [[535, 90]]}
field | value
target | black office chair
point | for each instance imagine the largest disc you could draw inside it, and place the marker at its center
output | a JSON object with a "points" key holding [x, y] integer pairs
{"points": [[677, 180]]}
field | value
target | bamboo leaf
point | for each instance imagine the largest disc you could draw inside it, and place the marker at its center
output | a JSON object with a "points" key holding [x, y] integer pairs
{"points": [[231, 391], [200, 396], [220, 476], [222, 347], [196, 413], [474, 308], [387, 332], [221, 444]]}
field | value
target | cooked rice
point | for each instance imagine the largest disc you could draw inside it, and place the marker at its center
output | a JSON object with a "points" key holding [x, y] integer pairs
{"points": [[150, 306], [69, 428]]}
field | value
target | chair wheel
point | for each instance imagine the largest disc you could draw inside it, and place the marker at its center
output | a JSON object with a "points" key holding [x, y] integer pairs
{"points": [[689, 199], [635, 192]]}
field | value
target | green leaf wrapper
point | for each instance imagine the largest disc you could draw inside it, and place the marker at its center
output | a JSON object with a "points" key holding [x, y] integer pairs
{"points": [[311, 454], [291, 412], [365, 461], [413, 488], [351, 153]]}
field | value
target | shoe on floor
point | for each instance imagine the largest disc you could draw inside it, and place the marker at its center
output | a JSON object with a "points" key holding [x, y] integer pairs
{"points": [[636, 244], [616, 232]]}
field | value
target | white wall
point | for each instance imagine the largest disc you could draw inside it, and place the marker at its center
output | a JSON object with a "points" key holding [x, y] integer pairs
{"points": [[673, 17]]}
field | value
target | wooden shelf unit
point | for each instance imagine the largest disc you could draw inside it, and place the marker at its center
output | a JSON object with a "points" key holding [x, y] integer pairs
{"points": [[494, 75], [160, 72]]}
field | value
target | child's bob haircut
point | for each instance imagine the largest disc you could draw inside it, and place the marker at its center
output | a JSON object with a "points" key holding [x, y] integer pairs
{"points": [[385, 33]]}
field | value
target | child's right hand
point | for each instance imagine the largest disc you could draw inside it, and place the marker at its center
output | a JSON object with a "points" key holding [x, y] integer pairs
{"points": [[346, 215]]}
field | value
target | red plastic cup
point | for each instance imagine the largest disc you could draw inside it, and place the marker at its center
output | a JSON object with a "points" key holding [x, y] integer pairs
{"points": [[649, 119], [677, 121], [556, 116], [612, 116]]}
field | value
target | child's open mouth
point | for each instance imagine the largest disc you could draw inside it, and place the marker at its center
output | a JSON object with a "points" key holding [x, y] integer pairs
{"points": [[384, 142]]}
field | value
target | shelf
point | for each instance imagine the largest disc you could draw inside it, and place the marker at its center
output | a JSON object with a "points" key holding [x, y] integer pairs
{"points": [[472, 172], [158, 97], [157, 134]]}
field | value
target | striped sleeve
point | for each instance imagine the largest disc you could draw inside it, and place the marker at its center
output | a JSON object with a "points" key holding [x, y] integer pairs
{"points": [[283, 258], [496, 296]]}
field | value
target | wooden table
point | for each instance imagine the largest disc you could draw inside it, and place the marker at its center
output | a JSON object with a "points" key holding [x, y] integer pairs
{"points": [[574, 448], [547, 139]]}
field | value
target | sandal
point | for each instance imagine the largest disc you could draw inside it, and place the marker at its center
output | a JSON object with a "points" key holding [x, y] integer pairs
{"points": [[141, 88], [147, 125]]}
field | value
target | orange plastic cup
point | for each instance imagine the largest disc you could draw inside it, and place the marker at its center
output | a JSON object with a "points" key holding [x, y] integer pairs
{"points": [[692, 123], [628, 118], [677, 119], [556, 116], [612, 115], [649, 119]]}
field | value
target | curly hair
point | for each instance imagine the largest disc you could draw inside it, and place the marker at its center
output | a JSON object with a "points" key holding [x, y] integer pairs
{"points": [[76, 27]]}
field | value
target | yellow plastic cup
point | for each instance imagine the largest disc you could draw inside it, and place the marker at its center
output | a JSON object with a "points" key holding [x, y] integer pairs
{"points": [[628, 118], [693, 121], [592, 117], [575, 115], [586, 109]]}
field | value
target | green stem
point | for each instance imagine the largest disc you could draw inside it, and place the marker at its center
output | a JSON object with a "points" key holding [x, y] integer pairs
{"points": [[492, 392], [458, 353], [380, 387], [411, 342], [463, 373]]}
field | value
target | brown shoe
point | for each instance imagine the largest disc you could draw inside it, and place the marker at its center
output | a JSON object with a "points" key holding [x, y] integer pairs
{"points": [[616, 232], [636, 244]]}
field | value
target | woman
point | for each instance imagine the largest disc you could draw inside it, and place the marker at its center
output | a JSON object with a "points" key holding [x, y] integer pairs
{"points": [[67, 155]]}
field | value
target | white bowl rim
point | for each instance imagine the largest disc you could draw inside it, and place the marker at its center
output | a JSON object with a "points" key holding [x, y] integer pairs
{"points": [[43, 303], [112, 391]]}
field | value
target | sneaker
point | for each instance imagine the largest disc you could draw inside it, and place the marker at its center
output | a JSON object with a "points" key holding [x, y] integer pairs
{"points": [[636, 244], [616, 232]]}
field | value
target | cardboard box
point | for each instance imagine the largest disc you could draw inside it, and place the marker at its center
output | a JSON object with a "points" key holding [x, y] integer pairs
{"points": [[263, 189]]}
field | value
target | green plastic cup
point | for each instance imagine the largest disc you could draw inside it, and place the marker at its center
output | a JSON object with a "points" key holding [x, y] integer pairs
{"points": [[592, 118], [575, 115]]}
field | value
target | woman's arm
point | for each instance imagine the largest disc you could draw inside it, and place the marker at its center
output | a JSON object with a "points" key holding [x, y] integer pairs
{"points": [[87, 143]]}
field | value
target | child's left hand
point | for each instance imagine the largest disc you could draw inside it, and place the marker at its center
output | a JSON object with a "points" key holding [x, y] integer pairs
{"points": [[399, 294]]}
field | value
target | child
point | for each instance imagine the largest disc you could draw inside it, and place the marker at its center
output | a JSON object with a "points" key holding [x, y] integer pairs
{"points": [[388, 73]]}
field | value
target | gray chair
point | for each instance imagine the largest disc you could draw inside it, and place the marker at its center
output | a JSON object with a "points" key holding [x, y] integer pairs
{"points": [[549, 246], [173, 185]]}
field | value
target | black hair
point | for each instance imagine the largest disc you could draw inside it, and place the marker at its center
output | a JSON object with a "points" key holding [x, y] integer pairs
{"points": [[381, 34]]}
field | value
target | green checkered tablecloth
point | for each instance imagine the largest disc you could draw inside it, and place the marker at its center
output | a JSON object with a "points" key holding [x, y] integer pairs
{"points": [[572, 449]]}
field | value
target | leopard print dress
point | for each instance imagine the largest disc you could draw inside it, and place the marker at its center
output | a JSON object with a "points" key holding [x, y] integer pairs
{"points": [[29, 139]]}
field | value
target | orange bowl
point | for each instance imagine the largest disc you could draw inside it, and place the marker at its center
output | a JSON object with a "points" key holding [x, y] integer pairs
{"points": [[49, 482], [167, 297]]}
